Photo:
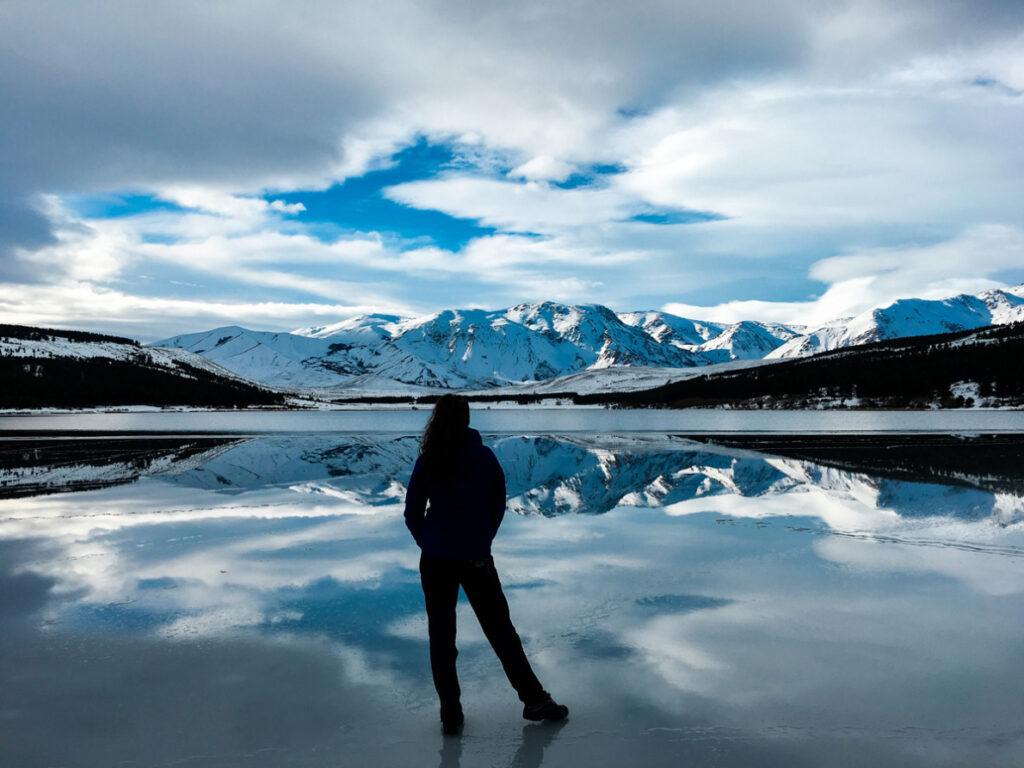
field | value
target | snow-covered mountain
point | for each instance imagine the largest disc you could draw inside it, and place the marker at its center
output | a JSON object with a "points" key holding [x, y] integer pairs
{"points": [[43, 367], [669, 329], [449, 349], [544, 341], [910, 317], [600, 337], [273, 358], [57, 346], [478, 347], [746, 340], [361, 329]]}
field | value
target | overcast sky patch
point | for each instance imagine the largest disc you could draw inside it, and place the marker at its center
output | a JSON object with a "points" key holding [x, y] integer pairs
{"points": [[413, 156]]}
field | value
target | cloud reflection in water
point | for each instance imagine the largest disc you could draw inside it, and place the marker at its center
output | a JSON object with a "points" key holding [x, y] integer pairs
{"points": [[683, 598]]}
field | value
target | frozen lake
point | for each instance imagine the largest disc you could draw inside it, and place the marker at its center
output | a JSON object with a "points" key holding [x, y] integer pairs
{"points": [[230, 600], [517, 420]]}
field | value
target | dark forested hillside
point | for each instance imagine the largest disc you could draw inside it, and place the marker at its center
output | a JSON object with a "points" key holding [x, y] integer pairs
{"points": [[41, 367], [982, 367], [963, 369], [31, 333], [61, 465], [989, 462]]}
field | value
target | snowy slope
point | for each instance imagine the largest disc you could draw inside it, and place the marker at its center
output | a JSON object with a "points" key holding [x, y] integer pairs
{"points": [[557, 344], [745, 340], [910, 317], [670, 329], [485, 348], [600, 337], [281, 359], [361, 329], [1005, 306], [465, 349], [110, 350], [620, 378], [45, 367]]}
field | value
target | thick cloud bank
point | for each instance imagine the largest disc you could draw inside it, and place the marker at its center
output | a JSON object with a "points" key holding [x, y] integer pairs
{"points": [[638, 155]]}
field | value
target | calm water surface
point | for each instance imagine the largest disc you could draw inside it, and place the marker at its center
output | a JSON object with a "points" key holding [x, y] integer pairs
{"points": [[516, 420], [254, 600]]}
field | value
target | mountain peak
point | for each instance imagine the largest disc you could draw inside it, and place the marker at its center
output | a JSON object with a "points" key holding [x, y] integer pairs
{"points": [[538, 341], [373, 321]]}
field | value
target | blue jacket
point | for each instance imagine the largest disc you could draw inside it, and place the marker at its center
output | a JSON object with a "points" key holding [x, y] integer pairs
{"points": [[465, 510]]}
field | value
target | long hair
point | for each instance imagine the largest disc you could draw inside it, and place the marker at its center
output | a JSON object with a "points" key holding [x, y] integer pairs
{"points": [[444, 438]]}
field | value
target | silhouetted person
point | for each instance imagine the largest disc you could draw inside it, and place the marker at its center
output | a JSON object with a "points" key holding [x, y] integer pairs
{"points": [[463, 482]]}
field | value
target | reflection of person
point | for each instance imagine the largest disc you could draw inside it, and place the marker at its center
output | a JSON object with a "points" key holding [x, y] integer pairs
{"points": [[536, 738], [465, 486]]}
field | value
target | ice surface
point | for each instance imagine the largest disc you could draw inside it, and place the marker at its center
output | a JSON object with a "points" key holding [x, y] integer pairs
{"points": [[692, 603]]}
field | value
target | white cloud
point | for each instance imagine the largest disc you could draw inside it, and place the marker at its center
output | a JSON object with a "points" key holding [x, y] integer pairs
{"points": [[865, 158], [533, 206], [543, 168], [225, 237], [983, 249], [81, 251], [85, 305], [222, 203], [861, 280], [826, 134], [929, 551], [998, 66]]}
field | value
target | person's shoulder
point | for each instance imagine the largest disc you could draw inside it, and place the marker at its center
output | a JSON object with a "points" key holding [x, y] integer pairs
{"points": [[486, 455], [475, 445]]}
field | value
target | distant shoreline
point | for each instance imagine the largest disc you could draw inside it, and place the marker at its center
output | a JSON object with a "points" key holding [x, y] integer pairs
{"points": [[491, 405]]}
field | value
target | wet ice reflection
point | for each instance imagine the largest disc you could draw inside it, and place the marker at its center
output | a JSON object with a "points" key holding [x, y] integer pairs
{"points": [[217, 599]]}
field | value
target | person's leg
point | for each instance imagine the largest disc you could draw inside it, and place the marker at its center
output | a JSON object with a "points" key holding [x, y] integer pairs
{"points": [[440, 582], [483, 588]]}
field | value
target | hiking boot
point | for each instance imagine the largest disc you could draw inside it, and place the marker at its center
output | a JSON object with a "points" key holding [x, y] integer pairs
{"points": [[545, 709], [451, 724]]}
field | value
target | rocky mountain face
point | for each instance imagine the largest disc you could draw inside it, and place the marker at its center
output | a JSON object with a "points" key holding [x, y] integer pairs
{"points": [[476, 349], [536, 342]]}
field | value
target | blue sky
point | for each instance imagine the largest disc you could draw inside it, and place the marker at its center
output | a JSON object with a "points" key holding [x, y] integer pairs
{"points": [[184, 166], [360, 205]]}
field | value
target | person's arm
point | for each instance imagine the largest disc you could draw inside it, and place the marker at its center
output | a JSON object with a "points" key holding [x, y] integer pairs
{"points": [[496, 502], [416, 500]]}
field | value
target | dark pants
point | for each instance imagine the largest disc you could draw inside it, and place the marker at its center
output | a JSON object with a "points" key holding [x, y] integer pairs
{"points": [[441, 578]]}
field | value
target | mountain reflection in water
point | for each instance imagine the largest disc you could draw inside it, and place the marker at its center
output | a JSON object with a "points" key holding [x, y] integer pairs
{"points": [[963, 477], [737, 600]]}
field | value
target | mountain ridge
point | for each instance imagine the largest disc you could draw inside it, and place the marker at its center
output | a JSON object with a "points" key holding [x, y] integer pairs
{"points": [[981, 367], [42, 367], [477, 349]]}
